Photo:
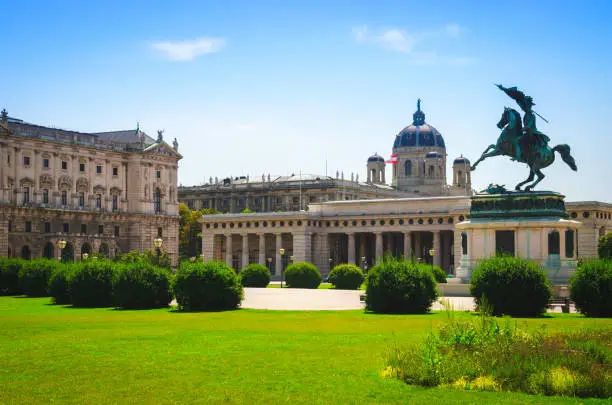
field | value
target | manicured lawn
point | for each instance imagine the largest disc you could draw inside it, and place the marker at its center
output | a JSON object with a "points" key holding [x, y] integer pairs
{"points": [[59, 354], [322, 286]]}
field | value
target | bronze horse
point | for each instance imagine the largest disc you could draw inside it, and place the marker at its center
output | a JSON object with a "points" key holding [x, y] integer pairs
{"points": [[535, 153]]}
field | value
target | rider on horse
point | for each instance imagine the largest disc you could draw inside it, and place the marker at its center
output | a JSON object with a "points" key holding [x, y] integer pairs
{"points": [[529, 120]]}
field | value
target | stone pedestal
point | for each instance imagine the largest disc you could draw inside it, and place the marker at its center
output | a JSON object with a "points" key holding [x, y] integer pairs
{"points": [[531, 226]]}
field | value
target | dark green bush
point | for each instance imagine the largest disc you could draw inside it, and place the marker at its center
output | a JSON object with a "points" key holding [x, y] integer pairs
{"points": [[512, 286], [141, 285], [211, 286], [438, 274], [255, 275], [35, 274], [91, 285], [9, 276], [591, 288], [147, 256], [346, 277], [604, 247], [59, 284], [400, 286], [302, 275]]}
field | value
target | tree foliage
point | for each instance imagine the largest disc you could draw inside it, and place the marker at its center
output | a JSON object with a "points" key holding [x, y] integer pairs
{"points": [[190, 230], [604, 247]]}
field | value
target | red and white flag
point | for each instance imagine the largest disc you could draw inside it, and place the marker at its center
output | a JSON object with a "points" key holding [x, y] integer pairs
{"points": [[393, 159]]}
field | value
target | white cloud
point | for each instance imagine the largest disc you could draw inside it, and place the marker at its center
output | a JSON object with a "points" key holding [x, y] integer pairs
{"points": [[398, 40], [247, 127], [189, 50]]}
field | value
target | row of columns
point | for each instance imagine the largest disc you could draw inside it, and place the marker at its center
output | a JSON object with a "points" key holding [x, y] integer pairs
{"points": [[208, 241]]}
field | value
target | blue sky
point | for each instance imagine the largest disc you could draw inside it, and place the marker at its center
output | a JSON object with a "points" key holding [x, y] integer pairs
{"points": [[283, 86]]}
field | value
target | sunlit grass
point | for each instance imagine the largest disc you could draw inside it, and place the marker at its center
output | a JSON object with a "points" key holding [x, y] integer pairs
{"points": [[65, 355]]}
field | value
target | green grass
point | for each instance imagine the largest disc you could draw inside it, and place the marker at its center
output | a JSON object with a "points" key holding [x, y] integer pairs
{"points": [[59, 354], [322, 286]]}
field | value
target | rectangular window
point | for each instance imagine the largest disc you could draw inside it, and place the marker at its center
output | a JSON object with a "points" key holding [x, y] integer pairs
{"points": [[116, 231], [98, 201], [26, 195], [26, 161], [158, 174], [99, 169], [81, 199], [81, 167], [47, 227], [46, 163], [45, 196], [100, 229], [115, 171], [115, 203], [28, 226], [10, 225], [64, 165], [160, 232], [66, 227], [64, 198], [84, 228]]}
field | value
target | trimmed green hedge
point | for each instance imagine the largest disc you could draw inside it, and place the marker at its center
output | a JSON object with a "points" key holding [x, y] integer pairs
{"points": [[92, 283], [255, 275], [346, 277], [141, 285], [512, 286], [35, 274], [400, 287], [438, 274], [59, 284], [591, 288], [9, 276], [302, 275], [211, 286]]}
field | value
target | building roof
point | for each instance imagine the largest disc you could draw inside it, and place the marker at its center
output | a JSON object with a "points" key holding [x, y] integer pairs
{"points": [[419, 133], [129, 136]]}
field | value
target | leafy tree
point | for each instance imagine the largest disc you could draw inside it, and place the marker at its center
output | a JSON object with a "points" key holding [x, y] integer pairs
{"points": [[190, 230], [604, 247]]}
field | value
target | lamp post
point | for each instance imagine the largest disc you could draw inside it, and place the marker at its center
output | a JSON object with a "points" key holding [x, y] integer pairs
{"points": [[158, 242], [331, 262], [269, 259], [85, 256], [282, 253], [291, 258], [363, 263], [61, 244], [432, 252]]}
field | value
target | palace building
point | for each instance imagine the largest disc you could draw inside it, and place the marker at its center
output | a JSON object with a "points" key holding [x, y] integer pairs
{"points": [[329, 221], [103, 192]]}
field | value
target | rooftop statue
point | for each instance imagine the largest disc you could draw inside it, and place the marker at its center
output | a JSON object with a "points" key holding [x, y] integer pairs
{"points": [[523, 142]]}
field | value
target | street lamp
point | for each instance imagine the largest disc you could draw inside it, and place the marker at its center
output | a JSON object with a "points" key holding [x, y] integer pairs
{"points": [[269, 264], [291, 258], [85, 256], [363, 263], [432, 252], [282, 253], [61, 244], [158, 242], [331, 261]]}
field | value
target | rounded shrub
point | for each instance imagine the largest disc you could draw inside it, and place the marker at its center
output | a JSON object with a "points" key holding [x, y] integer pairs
{"points": [[604, 246], [35, 274], [510, 286], [591, 288], [59, 284], [438, 274], [346, 277], [255, 275], [400, 287], [210, 286], [141, 285], [9, 276], [91, 285], [302, 275]]}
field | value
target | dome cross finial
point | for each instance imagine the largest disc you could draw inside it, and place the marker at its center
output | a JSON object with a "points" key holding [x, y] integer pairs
{"points": [[419, 104]]}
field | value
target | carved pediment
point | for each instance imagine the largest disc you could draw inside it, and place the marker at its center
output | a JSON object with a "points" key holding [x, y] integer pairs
{"points": [[64, 182], [160, 186], [26, 182], [82, 185], [115, 191], [99, 189], [46, 181], [163, 148]]}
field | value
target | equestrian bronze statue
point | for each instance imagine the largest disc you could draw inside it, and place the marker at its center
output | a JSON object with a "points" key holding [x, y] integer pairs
{"points": [[521, 140]]}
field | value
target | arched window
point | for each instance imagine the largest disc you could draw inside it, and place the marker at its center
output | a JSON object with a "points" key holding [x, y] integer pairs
{"points": [[432, 171], [553, 243], [81, 199], [64, 198], [68, 253], [98, 201], [45, 196], [86, 248], [26, 253], [48, 250], [104, 249], [115, 203], [408, 168], [157, 200]]}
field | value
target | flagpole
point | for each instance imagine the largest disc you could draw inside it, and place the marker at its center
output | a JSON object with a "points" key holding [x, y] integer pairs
{"points": [[300, 190]]}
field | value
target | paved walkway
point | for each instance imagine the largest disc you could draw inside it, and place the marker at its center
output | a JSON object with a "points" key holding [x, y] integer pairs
{"points": [[297, 299]]}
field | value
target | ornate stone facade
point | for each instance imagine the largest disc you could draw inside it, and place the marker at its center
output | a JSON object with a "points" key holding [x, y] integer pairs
{"points": [[109, 192]]}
